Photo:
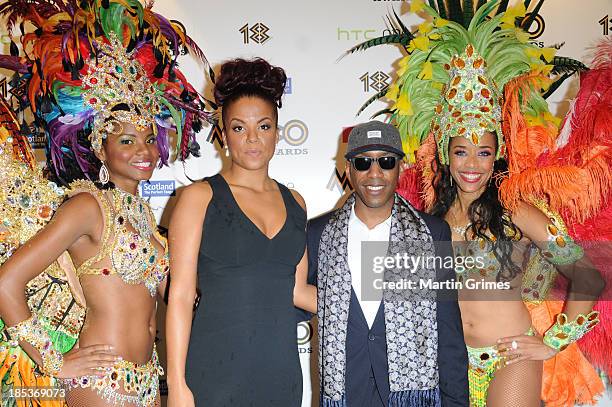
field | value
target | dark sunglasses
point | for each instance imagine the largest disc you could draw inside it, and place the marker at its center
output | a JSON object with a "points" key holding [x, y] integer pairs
{"points": [[364, 163]]}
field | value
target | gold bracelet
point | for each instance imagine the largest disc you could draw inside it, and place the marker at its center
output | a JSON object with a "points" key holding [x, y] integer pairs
{"points": [[565, 332], [33, 332]]}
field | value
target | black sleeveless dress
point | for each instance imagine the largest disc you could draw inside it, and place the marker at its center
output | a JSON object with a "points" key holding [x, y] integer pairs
{"points": [[243, 347]]}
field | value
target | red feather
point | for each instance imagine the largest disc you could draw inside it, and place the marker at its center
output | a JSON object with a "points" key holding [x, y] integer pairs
{"points": [[584, 148], [409, 186]]}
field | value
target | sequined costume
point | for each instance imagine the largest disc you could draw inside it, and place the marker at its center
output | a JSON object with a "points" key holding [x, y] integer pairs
{"points": [[29, 200], [481, 249], [537, 281], [132, 255], [484, 362], [471, 71], [140, 383], [127, 251], [85, 68]]}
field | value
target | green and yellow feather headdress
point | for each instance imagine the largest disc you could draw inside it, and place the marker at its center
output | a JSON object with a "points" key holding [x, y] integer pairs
{"points": [[451, 82]]}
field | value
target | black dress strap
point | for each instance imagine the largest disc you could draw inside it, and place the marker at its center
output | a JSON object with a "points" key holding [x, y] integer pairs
{"points": [[285, 193], [219, 187], [222, 194], [294, 209]]}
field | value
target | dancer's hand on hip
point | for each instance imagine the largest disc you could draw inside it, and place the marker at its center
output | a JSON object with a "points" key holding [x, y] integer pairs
{"points": [[94, 360], [524, 347]]}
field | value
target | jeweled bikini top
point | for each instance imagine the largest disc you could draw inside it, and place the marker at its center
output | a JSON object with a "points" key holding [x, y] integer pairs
{"points": [[481, 249], [559, 249], [129, 228]]}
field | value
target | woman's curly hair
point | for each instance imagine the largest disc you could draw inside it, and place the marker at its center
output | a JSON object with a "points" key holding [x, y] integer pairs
{"points": [[241, 77]]}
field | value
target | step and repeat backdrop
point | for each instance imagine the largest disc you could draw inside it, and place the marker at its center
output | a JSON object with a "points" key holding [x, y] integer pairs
{"points": [[325, 90]]}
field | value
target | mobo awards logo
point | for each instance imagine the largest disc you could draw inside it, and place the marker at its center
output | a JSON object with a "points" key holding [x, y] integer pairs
{"points": [[216, 136], [535, 29], [291, 137], [294, 134], [338, 181], [304, 336], [605, 24], [257, 33]]}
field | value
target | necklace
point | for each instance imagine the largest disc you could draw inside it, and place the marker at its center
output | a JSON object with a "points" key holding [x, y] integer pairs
{"points": [[460, 230], [136, 211]]}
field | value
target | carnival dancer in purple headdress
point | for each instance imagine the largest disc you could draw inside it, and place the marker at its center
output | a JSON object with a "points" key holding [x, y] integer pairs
{"points": [[101, 76]]}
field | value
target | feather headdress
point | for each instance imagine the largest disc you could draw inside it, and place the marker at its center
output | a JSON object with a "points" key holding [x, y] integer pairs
{"points": [[574, 175], [457, 66], [90, 64]]}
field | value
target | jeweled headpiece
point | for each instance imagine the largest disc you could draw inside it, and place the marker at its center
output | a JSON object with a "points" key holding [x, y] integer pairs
{"points": [[117, 78], [92, 64], [470, 104], [452, 81]]}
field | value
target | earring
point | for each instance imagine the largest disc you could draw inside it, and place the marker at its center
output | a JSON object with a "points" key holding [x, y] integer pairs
{"points": [[103, 175], [451, 182], [227, 154]]}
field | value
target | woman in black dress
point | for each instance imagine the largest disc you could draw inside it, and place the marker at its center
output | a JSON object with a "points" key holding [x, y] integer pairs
{"points": [[240, 236]]}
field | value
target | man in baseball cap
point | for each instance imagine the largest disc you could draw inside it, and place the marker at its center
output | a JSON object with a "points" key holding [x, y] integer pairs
{"points": [[374, 135], [374, 158], [378, 349]]}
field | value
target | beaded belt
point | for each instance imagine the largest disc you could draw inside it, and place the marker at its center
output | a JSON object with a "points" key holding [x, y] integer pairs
{"points": [[142, 381], [484, 362]]}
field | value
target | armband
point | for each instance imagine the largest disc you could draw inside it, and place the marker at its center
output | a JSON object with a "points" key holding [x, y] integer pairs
{"points": [[33, 332], [565, 332], [560, 248]]}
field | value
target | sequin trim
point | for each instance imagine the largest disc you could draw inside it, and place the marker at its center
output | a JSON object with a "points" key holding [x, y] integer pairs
{"points": [[141, 381]]}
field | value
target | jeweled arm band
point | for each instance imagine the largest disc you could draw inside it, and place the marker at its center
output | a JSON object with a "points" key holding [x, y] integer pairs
{"points": [[34, 333], [560, 249], [565, 332]]}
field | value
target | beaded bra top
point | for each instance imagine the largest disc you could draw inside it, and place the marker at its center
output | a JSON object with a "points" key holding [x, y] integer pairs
{"points": [[129, 228], [478, 248], [540, 272]]}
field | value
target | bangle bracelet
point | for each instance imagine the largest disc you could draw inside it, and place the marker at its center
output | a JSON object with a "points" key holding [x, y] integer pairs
{"points": [[564, 332], [33, 332]]}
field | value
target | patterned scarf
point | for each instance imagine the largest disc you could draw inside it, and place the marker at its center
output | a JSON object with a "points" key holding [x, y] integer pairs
{"points": [[411, 327]]}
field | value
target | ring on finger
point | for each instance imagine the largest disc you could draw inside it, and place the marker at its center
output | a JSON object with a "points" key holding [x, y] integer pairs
{"points": [[514, 345]]}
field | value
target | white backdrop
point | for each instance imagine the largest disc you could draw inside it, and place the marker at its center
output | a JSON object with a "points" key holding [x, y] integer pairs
{"points": [[306, 38]]}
